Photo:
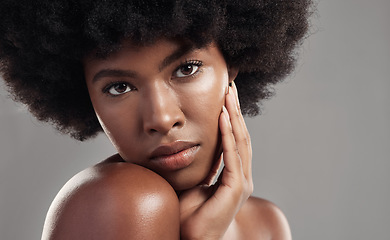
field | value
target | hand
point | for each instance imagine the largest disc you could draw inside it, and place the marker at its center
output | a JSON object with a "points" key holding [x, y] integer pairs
{"points": [[207, 211]]}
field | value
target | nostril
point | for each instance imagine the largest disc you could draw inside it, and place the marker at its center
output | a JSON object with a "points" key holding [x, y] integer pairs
{"points": [[162, 119], [163, 129]]}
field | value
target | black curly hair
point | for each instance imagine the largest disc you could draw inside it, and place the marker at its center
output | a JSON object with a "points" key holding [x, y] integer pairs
{"points": [[43, 43]]}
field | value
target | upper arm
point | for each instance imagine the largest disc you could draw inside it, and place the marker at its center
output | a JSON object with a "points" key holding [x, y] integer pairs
{"points": [[117, 201]]}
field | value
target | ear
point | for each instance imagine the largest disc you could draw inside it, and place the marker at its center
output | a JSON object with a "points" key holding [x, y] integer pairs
{"points": [[232, 72]]}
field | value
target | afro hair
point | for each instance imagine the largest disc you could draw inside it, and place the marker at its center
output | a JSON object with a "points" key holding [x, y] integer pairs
{"points": [[43, 43]]}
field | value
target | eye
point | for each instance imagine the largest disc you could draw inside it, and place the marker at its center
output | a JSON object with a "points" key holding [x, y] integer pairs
{"points": [[118, 88], [187, 69]]}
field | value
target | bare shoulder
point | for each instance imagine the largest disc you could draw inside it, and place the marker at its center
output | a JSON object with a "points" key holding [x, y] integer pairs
{"points": [[114, 200], [261, 219]]}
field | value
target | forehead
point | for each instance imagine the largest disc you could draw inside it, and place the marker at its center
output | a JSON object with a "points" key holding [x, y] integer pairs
{"points": [[175, 48], [151, 57]]}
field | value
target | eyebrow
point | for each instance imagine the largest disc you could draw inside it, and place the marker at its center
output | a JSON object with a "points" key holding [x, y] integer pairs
{"points": [[113, 73], [181, 51]]}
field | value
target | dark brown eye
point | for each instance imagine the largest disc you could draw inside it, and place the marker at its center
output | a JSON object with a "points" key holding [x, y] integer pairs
{"points": [[187, 70], [118, 89]]}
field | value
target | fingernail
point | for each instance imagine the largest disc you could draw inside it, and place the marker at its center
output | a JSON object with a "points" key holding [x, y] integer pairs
{"points": [[224, 109], [236, 94], [226, 112], [232, 94]]}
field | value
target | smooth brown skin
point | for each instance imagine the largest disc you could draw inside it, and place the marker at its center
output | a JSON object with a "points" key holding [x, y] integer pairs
{"points": [[170, 99]]}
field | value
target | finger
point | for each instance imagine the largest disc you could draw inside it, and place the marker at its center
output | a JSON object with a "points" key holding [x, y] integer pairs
{"points": [[240, 132], [240, 117], [236, 99], [248, 164], [231, 157]]}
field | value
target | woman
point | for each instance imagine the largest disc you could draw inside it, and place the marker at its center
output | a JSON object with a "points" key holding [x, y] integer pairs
{"points": [[159, 78]]}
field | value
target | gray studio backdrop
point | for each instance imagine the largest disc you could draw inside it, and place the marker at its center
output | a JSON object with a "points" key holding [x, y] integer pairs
{"points": [[321, 146]]}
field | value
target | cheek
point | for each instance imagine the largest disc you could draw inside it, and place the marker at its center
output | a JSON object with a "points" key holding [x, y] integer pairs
{"points": [[118, 129], [204, 105], [210, 94]]}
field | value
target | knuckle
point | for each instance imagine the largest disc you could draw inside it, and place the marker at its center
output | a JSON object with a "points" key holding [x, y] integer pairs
{"points": [[250, 188], [237, 113], [238, 106], [245, 140], [237, 151], [248, 139]]}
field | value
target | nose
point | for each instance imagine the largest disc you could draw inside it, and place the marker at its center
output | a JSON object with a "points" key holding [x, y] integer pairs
{"points": [[161, 110]]}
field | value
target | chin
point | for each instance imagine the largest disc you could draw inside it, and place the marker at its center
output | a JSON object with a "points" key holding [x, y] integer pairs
{"points": [[185, 180], [189, 178], [184, 186]]}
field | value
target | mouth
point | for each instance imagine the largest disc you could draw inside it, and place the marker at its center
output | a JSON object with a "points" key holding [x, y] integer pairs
{"points": [[174, 156]]}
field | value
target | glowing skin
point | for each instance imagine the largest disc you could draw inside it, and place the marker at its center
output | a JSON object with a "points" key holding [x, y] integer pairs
{"points": [[157, 100], [165, 107]]}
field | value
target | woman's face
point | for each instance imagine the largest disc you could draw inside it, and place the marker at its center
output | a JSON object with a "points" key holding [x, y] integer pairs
{"points": [[159, 105]]}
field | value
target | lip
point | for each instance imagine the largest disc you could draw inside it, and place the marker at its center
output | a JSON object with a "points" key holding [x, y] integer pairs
{"points": [[175, 155]]}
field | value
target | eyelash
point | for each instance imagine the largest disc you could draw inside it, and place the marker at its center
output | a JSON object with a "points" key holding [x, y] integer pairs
{"points": [[107, 88], [196, 63]]}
